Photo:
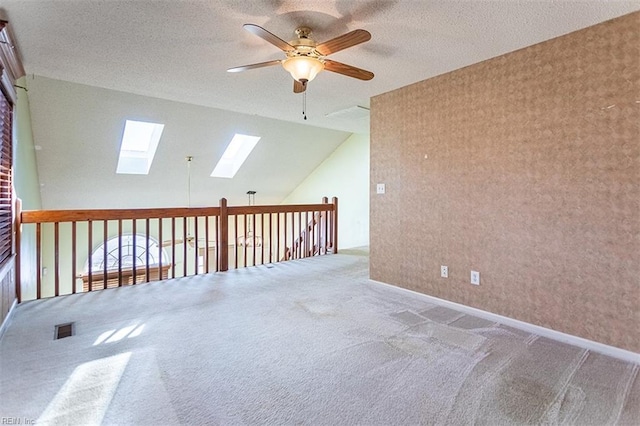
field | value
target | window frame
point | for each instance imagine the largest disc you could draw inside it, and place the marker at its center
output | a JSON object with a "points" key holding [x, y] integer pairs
{"points": [[10, 70], [122, 244]]}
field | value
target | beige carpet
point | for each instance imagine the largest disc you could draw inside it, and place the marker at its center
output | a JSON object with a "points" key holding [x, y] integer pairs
{"points": [[303, 342]]}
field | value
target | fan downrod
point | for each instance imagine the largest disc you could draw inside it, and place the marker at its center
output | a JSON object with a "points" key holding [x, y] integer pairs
{"points": [[303, 32]]}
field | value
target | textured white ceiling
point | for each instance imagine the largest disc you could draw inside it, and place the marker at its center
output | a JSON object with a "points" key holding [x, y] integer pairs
{"points": [[179, 51]]}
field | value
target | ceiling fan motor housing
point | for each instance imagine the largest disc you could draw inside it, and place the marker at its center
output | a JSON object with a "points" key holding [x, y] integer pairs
{"points": [[305, 58], [303, 32], [303, 49]]}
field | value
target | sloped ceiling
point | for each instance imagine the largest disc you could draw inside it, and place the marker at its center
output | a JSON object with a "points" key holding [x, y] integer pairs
{"points": [[78, 130], [91, 64]]}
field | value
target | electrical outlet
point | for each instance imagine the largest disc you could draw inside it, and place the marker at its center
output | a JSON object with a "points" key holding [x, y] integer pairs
{"points": [[444, 271], [380, 188], [475, 277]]}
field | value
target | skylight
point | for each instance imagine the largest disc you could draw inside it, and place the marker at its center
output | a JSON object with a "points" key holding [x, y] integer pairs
{"points": [[238, 150], [139, 144]]}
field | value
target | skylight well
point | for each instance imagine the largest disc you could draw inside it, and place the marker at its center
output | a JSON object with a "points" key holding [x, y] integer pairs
{"points": [[234, 156], [138, 147]]}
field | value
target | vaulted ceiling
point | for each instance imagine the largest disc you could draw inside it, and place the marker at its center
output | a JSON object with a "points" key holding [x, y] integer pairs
{"points": [[91, 64]]}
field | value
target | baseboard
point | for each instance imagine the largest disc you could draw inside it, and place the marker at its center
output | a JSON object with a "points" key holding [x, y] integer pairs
{"points": [[581, 342], [7, 319]]}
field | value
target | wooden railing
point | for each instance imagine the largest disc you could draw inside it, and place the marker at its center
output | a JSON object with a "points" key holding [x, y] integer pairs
{"points": [[87, 250]]}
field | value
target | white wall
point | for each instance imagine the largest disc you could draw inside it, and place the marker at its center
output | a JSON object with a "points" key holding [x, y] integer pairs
{"points": [[344, 174], [25, 179]]}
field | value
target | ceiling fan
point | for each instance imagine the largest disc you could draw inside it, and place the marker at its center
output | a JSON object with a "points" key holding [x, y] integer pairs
{"points": [[306, 58]]}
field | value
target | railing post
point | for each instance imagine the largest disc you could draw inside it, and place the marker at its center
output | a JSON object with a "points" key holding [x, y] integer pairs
{"points": [[223, 242], [18, 244], [324, 226], [39, 260], [334, 200]]}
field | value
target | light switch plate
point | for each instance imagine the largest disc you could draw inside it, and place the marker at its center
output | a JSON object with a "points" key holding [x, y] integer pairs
{"points": [[475, 277]]}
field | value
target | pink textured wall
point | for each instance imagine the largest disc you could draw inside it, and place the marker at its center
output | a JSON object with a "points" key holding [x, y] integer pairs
{"points": [[525, 167]]}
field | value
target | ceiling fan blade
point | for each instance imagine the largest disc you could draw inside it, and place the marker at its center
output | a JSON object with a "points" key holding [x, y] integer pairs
{"points": [[347, 70], [266, 35], [254, 66], [342, 42], [298, 87], [169, 243], [202, 241]]}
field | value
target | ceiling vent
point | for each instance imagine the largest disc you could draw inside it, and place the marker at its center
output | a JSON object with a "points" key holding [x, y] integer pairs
{"points": [[356, 112]]}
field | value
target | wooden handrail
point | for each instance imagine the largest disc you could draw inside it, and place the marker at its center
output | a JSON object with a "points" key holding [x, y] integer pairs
{"points": [[279, 208], [50, 216], [210, 237]]}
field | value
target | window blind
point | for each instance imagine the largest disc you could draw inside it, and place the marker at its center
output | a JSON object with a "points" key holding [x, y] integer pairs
{"points": [[6, 195]]}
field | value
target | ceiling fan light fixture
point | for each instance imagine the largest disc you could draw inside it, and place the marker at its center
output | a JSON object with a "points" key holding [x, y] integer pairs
{"points": [[303, 68]]}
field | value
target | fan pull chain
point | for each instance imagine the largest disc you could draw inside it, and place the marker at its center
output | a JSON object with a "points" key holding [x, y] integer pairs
{"points": [[189, 158], [304, 104]]}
